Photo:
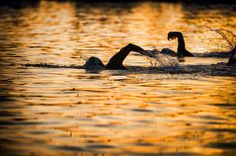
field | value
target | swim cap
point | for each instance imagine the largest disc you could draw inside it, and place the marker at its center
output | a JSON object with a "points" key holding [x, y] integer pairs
{"points": [[94, 63]]}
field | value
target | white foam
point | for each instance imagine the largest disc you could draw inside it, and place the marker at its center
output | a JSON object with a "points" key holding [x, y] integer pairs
{"points": [[160, 60]]}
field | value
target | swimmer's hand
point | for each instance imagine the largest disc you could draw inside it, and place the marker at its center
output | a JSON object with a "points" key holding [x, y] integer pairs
{"points": [[150, 53], [135, 48]]}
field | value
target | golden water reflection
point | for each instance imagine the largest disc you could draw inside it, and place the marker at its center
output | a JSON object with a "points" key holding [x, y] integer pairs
{"points": [[70, 111]]}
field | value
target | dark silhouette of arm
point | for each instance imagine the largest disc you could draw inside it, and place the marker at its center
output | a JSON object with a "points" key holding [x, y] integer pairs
{"points": [[181, 50], [116, 61]]}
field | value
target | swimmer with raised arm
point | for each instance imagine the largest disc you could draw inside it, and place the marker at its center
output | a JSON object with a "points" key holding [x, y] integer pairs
{"points": [[94, 63], [116, 61], [181, 50]]}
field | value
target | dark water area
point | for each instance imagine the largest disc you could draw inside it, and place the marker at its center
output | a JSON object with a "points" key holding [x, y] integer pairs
{"points": [[51, 106]]}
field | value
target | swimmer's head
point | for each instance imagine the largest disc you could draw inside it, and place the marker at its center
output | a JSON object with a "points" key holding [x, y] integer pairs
{"points": [[94, 63]]}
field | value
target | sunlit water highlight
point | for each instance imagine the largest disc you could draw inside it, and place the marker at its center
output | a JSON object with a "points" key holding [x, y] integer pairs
{"points": [[61, 110]]}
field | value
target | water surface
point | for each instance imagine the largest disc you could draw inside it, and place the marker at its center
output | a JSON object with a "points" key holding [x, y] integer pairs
{"points": [[142, 111]]}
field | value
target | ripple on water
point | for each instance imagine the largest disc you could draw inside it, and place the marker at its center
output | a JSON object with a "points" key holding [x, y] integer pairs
{"points": [[68, 148], [142, 110], [49, 106]]}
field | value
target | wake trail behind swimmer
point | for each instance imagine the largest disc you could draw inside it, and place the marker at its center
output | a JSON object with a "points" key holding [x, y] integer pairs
{"points": [[45, 65]]}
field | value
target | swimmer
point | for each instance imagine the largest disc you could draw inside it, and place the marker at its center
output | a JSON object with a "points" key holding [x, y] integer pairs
{"points": [[181, 50], [94, 63], [116, 61], [232, 58]]}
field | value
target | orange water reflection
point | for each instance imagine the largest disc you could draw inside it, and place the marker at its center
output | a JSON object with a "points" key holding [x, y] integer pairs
{"points": [[72, 112]]}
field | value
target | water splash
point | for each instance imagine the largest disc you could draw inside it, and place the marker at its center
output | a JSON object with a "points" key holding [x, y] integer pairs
{"points": [[227, 35], [157, 59]]}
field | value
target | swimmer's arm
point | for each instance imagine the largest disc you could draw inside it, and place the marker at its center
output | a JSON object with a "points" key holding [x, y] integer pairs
{"points": [[116, 61]]}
